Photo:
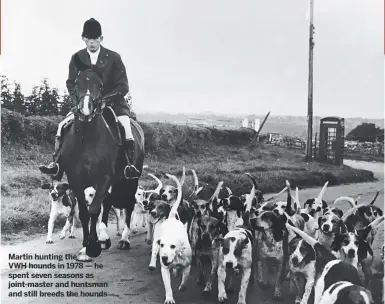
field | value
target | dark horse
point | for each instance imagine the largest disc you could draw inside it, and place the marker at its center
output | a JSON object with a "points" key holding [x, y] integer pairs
{"points": [[92, 155]]}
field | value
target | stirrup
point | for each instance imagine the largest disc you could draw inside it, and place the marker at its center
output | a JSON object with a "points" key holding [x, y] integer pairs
{"points": [[128, 170]]}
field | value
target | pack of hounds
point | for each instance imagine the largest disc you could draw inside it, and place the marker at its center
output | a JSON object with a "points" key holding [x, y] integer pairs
{"points": [[320, 249]]}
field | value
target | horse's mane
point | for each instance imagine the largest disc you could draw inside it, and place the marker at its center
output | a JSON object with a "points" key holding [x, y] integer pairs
{"points": [[82, 66]]}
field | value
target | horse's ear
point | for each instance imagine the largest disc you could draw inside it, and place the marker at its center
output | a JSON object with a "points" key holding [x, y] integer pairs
{"points": [[79, 64], [46, 186]]}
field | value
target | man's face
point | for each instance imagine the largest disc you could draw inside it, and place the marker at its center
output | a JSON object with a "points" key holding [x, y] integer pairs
{"points": [[93, 44]]}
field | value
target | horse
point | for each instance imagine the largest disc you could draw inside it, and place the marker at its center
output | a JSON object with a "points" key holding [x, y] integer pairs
{"points": [[92, 155]]}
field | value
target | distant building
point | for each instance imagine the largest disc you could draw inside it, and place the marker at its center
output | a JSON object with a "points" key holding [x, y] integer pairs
{"points": [[251, 124]]}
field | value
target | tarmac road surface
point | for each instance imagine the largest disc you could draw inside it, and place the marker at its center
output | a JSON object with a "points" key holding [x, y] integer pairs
{"points": [[126, 272]]}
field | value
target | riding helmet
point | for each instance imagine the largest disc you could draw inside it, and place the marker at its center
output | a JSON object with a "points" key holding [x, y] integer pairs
{"points": [[92, 29]]}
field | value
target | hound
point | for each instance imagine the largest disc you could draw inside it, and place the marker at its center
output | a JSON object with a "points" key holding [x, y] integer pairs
{"points": [[364, 215], [201, 208], [210, 228], [347, 293], [174, 248], [330, 227], [236, 252], [311, 224], [159, 213], [272, 244], [169, 193], [302, 262], [149, 197], [63, 202], [315, 206], [329, 270]]}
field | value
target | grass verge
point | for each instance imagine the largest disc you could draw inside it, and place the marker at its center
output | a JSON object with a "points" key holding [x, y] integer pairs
{"points": [[25, 207]]}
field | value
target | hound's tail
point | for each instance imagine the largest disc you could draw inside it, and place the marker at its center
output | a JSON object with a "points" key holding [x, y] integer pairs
{"points": [[174, 209], [160, 185], [216, 193]]}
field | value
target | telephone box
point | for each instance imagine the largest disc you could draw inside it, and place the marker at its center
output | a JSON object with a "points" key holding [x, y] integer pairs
{"points": [[331, 140]]}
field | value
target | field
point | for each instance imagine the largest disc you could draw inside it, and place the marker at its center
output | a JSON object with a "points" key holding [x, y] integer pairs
{"points": [[215, 155]]}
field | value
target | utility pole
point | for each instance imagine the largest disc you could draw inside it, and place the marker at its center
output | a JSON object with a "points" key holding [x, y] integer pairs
{"points": [[309, 144]]}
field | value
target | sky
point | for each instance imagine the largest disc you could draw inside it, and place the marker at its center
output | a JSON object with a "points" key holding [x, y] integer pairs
{"points": [[221, 56]]}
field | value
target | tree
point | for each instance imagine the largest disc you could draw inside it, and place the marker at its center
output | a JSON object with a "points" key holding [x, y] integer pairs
{"points": [[6, 96], [33, 102], [366, 132], [49, 99], [66, 104], [18, 99]]}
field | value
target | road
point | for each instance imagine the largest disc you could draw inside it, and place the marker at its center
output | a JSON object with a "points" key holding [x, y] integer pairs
{"points": [[126, 273]]}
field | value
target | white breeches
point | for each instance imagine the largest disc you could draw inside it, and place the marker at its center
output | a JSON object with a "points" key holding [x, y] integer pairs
{"points": [[126, 123]]}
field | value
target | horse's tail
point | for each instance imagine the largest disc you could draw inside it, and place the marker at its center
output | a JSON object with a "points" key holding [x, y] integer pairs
{"points": [[174, 209]]}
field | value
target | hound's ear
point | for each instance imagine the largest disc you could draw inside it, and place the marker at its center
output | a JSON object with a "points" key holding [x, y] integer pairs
{"points": [[65, 186], [342, 227], [46, 186], [339, 212], [363, 250], [337, 242], [222, 228], [219, 241], [308, 202], [245, 242], [324, 204], [319, 221], [305, 217], [350, 227], [158, 242]]}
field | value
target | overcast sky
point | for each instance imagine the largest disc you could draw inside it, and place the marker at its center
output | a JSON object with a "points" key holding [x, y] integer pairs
{"points": [[222, 56]]}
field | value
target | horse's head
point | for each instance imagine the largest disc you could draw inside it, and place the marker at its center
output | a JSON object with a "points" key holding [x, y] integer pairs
{"points": [[88, 86]]}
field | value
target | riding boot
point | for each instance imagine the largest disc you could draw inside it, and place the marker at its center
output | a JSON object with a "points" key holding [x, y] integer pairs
{"points": [[53, 168], [130, 171]]}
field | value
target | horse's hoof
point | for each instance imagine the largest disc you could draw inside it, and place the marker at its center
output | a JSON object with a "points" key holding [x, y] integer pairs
{"points": [[277, 296], [182, 288], [105, 244], [201, 281], [205, 292], [83, 257], [263, 285], [151, 268], [71, 237], [93, 249], [124, 245]]}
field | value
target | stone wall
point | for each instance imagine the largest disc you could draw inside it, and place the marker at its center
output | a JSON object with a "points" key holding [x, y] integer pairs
{"points": [[290, 142]]}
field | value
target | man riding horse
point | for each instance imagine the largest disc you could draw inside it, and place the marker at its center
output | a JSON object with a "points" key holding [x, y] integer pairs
{"points": [[115, 85]]}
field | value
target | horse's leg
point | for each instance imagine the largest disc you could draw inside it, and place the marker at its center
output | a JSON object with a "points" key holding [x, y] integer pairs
{"points": [[84, 219], [124, 243], [93, 247], [104, 239]]}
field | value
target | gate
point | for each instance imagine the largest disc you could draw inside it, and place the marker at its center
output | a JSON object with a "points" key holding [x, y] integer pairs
{"points": [[331, 140]]}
